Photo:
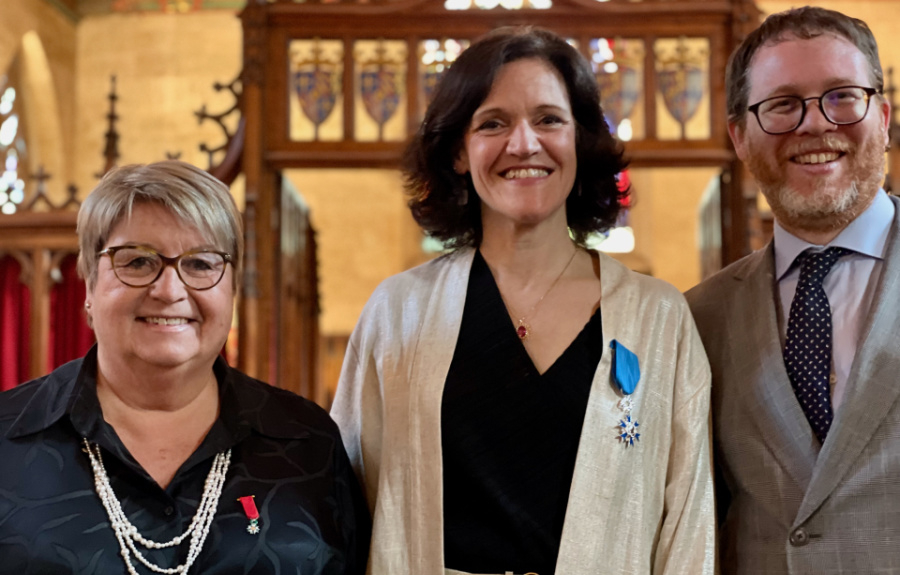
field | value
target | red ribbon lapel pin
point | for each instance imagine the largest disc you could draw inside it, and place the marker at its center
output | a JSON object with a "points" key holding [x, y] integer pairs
{"points": [[252, 513]]}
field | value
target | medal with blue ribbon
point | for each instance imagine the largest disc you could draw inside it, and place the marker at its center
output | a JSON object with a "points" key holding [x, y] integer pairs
{"points": [[626, 373]]}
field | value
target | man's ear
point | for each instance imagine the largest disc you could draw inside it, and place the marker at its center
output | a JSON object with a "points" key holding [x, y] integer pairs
{"points": [[886, 118], [738, 133]]}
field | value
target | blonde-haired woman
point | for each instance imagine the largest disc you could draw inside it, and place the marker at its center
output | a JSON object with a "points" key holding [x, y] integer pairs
{"points": [[151, 454]]}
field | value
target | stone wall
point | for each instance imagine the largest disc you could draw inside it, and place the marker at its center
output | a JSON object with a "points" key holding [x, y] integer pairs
{"points": [[166, 64], [44, 40]]}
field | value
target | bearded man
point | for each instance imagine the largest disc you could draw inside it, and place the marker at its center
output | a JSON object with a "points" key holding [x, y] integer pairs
{"points": [[802, 335]]}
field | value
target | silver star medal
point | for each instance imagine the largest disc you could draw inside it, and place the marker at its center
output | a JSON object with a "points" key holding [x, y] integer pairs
{"points": [[628, 427], [626, 373]]}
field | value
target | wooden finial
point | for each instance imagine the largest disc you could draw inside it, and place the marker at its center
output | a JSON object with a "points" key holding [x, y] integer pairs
{"points": [[111, 149]]}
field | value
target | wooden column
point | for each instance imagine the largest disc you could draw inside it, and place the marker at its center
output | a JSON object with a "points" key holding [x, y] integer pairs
{"points": [[37, 240], [250, 360], [40, 312]]}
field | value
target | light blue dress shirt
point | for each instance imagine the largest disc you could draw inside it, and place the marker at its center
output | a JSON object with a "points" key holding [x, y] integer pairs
{"points": [[850, 286]]}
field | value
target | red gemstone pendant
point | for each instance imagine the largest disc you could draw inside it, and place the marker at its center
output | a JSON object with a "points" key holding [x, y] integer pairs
{"points": [[522, 331]]}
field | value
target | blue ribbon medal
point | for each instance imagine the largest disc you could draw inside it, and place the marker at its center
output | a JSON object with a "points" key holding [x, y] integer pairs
{"points": [[627, 374]]}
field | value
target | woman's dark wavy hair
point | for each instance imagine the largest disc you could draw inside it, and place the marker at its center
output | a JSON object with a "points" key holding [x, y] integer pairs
{"points": [[437, 193]]}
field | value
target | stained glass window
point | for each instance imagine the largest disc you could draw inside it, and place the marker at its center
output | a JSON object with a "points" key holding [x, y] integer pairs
{"points": [[316, 68], [682, 80], [619, 68], [380, 106], [13, 147], [435, 57]]}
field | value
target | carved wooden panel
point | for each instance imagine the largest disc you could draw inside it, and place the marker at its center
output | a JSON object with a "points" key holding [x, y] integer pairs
{"points": [[342, 83]]}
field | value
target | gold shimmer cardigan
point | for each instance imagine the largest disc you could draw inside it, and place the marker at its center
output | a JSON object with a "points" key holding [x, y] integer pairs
{"points": [[642, 509]]}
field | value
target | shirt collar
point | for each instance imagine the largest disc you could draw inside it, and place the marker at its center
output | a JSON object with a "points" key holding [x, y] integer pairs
{"points": [[51, 399], [866, 235], [245, 405]]}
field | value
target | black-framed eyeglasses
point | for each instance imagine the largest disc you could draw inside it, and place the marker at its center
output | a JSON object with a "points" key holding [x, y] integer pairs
{"points": [[140, 266], [842, 106]]}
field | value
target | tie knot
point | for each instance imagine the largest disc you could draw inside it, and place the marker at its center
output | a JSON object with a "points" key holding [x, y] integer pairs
{"points": [[815, 265]]}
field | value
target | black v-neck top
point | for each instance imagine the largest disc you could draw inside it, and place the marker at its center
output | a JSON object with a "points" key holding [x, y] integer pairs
{"points": [[509, 438]]}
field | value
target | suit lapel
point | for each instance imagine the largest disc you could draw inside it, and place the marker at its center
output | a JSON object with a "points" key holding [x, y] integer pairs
{"points": [[772, 405], [873, 387]]}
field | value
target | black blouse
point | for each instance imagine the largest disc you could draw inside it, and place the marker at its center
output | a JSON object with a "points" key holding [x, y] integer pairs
{"points": [[509, 438], [286, 452]]}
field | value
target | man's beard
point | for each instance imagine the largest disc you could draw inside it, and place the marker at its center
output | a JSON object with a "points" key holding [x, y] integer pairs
{"points": [[832, 204]]}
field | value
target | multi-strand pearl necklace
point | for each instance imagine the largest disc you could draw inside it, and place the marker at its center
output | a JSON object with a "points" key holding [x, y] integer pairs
{"points": [[127, 534]]}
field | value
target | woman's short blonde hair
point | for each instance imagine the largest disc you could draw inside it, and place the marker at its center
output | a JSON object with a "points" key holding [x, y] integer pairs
{"points": [[194, 196]]}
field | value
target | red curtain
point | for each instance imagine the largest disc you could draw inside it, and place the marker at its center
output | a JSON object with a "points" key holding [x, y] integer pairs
{"points": [[70, 336], [15, 302]]}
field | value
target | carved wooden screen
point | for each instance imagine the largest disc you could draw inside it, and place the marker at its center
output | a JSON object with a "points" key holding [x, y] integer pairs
{"points": [[298, 322], [37, 260], [342, 84]]}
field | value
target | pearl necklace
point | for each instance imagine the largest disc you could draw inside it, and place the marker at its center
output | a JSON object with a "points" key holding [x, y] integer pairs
{"points": [[127, 534]]}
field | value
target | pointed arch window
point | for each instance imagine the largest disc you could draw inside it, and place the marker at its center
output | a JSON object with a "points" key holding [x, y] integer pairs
{"points": [[13, 145]]}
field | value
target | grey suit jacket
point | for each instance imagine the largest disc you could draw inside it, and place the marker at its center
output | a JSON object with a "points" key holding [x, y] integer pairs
{"points": [[785, 504]]}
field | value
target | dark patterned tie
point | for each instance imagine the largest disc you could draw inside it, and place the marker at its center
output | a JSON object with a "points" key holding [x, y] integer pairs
{"points": [[807, 352]]}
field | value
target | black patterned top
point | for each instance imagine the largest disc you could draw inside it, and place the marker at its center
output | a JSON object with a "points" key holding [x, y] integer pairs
{"points": [[509, 438], [286, 452]]}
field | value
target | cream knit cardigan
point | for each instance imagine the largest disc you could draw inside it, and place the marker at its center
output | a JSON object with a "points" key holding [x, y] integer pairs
{"points": [[646, 509]]}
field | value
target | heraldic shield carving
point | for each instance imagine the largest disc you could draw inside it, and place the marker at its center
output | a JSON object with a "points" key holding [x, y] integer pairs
{"points": [[682, 80], [317, 84], [618, 67], [381, 82], [317, 92], [381, 93]]}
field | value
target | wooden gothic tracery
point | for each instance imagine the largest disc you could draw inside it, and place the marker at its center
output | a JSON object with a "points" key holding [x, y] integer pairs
{"points": [[343, 83]]}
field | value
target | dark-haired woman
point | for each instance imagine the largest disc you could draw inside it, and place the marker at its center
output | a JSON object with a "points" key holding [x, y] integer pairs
{"points": [[522, 404]]}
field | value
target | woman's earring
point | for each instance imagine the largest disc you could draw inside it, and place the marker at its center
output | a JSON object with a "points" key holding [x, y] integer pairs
{"points": [[461, 190], [463, 195]]}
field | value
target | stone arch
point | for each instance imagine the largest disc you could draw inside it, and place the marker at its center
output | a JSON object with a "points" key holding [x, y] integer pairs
{"points": [[40, 109]]}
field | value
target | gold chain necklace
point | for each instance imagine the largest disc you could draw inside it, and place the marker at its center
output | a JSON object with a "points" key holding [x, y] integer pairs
{"points": [[523, 328]]}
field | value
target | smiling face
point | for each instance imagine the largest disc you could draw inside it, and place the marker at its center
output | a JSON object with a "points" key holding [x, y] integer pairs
{"points": [[520, 146], [821, 176], [165, 324]]}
